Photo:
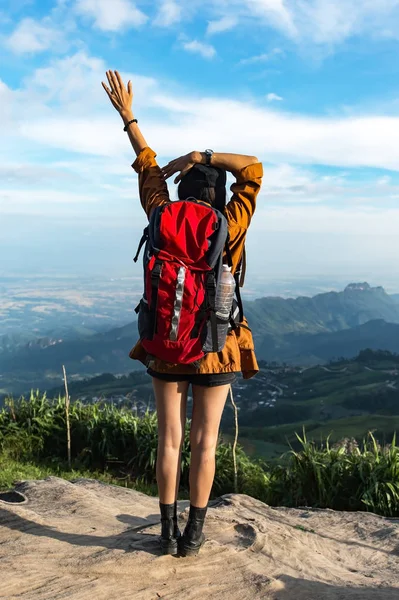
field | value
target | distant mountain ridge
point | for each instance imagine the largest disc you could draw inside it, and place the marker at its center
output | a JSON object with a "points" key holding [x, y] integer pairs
{"points": [[301, 330], [328, 312]]}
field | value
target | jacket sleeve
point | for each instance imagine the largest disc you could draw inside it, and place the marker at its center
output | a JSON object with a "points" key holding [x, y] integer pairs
{"points": [[241, 207], [152, 186]]}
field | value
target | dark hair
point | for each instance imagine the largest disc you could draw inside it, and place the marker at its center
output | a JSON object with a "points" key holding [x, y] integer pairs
{"points": [[204, 183]]}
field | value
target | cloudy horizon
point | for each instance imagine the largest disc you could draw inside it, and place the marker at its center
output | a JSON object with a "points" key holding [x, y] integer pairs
{"points": [[311, 88]]}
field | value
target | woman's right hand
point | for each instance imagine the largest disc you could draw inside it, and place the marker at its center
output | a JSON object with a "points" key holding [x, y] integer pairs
{"points": [[182, 164], [121, 97]]}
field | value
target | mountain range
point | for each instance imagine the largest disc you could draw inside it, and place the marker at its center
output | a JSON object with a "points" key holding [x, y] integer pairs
{"points": [[302, 331], [328, 312]]}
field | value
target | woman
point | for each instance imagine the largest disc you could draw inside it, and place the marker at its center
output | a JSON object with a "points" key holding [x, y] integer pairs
{"points": [[202, 175]]}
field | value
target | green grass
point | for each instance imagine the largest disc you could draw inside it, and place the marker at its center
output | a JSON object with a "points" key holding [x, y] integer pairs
{"points": [[12, 471]]}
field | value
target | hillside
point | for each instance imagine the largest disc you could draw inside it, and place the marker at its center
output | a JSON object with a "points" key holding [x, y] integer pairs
{"points": [[38, 364], [86, 540], [343, 399]]}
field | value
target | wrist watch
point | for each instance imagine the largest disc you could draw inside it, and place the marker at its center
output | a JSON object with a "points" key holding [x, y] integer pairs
{"points": [[208, 156]]}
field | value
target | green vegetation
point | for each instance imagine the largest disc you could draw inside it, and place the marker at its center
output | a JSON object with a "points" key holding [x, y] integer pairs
{"points": [[117, 446], [343, 477], [13, 470]]}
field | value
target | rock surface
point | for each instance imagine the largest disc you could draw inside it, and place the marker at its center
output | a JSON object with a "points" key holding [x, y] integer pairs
{"points": [[90, 541]]}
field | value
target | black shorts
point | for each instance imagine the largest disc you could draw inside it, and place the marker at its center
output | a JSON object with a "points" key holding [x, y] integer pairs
{"points": [[205, 379]]}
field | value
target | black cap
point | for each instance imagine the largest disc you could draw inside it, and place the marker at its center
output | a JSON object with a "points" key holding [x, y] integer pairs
{"points": [[208, 176], [200, 177]]}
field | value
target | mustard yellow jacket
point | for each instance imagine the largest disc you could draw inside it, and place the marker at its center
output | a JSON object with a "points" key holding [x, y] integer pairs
{"points": [[238, 353]]}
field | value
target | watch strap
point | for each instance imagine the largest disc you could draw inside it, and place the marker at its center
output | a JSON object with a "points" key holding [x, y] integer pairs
{"points": [[208, 157]]}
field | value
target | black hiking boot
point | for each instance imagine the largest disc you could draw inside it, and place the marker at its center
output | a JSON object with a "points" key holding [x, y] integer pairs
{"points": [[170, 532], [192, 539]]}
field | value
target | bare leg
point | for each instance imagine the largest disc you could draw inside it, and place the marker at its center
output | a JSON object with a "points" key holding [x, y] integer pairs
{"points": [[171, 404], [208, 405]]}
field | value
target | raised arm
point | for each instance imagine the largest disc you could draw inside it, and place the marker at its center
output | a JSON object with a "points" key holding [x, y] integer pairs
{"points": [[121, 98], [152, 187]]}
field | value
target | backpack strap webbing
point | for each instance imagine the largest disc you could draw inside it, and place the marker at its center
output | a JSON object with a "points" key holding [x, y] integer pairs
{"points": [[155, 278], [238, 295], [211, 294], [242, 267]]}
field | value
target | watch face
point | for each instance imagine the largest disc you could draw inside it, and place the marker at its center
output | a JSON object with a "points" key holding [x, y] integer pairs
{"points": [[208, 151]]}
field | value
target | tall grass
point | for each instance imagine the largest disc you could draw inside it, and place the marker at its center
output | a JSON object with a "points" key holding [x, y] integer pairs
{"points": [[118, 445], [345, 476]]}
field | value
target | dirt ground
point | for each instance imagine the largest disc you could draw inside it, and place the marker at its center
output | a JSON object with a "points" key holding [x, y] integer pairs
{"points": [[90, 541]]}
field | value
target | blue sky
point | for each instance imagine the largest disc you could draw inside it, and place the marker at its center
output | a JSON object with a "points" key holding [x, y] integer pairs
{"points": [[310, 87]]}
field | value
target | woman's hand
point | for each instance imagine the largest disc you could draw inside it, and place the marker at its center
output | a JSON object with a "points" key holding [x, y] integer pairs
{"points": [[120, 96], [182, 164]]}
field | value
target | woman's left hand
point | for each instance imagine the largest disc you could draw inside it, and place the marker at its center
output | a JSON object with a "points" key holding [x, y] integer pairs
{"points": [[120, 96], [182, 164]]}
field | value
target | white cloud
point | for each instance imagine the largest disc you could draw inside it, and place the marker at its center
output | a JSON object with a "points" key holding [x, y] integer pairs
{"points": [[324, 219], [30, 36], [31, 174], [285, 184], [274, 12], [41, 201], [111, 15], [220, 25], [333, 21], [69, 112], [205, 50], [88, 124], [170, 12], [273, 97], [321, 22], [265, 57], [309, 23]]}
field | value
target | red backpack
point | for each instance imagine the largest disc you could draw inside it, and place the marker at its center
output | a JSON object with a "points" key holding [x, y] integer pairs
{"points": [[185, 241]]}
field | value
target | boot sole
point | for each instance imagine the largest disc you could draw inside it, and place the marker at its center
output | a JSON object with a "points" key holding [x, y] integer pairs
{"points": [[187, 551], [170, 548]]}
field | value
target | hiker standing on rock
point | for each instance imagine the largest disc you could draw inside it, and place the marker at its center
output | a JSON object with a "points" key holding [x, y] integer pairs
{"points": [[192, 247]]}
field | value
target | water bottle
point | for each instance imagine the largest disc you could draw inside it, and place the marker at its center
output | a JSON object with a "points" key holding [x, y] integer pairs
{"points": [[225, 294]]}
